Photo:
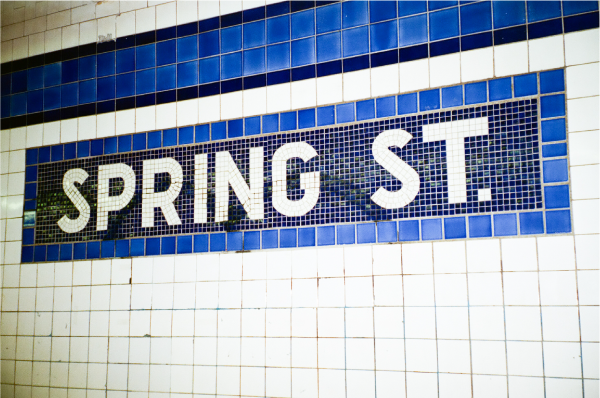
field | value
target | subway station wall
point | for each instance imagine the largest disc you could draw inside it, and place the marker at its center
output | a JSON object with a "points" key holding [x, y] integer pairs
{"points": [[299, 199]]}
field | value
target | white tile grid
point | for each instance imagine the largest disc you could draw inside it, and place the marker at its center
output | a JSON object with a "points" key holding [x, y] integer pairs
{"points": [[505, 60], [341, 321]]}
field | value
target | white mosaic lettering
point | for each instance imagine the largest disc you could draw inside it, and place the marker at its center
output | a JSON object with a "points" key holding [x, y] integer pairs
{"points": [[250, 196], [65, 223], [200, 188], [309, 182], [397, 167], [454, 133], [164, 200], [108, 203]]}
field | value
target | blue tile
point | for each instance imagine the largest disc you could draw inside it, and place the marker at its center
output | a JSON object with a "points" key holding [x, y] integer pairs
{"points": [[145, 81], [329, 18], [202, 133], [27, 254], [443, 24], [170, 137], [431, 229], [306, 118], [87, 91], [252, 125], [540, 10], [218, 130], [556, 197], [384, 35], [452, 96], [18, 102], [108, 249], [52, 74], [110, 145], [526, 85], [30, 191], [288, 121], [303, 52], [270, 239], [553, 105], [475, 17], [137, 247], [500, 89], [184, 244], [326, 235], [186, 135], [553, 150], [306, 237], [187, 74], [152, 246], [355, 41], [83, 149], [556, 170], [44, 155], [558, 221], [411, 7], [329, 47], [345, 234], [407, 103], [552, 81], [35, 100], [382, 10], [235, 128], [52, 253], [231, 65], [19, 82], [554, 130], [210, 70], [145, 56], [87, 67], [278, 29], [66, 252], [505, 224], [124, 143], [386, 106], [252, 240], [413, 30], [365, 110], [437, 5], [51, 100], [68, 95], [187, 48], [303, 24], [270, 123], [508, 13], [217, 242], [39, 254], [387, 231], [35, 80], [455, 228], [154, 139], [571, 7], [254, 34], [480, 226], [31, 156], [105, 64], [70, 71], [354, 13], [200, 243], [531, 223], [234, 241], [429, 100], [28, 236], [126, 60], [166, 52], [79, 251], [97, 147], [254, 61], [122, 248], [165, 78], [365, 233], [345, 113], [325, 115], [93, 250], [287, 237], [106, 88], [31, 174], [125, 85], [231, 39], [139, 141], [278, 57]]}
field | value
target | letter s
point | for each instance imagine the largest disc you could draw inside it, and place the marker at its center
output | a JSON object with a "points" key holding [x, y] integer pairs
{"points": [[397, 167], [65, 223]]}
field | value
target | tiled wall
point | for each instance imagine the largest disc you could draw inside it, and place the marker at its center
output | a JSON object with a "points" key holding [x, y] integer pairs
{"points": [[472, 315]]}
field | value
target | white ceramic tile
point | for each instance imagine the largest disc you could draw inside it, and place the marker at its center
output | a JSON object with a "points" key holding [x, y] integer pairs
{"points": [[581, 47], [108, 26], [51, 133], [209, 109], [483, 255], [17, 138], [7, 51], [477, 64], [125, 122], [357, 85], [187, 112], [166, 15], [304, 93], [584, 182], [511, 59], [546, 53], [20, 48], [86, 127], [519, 254], [83, 13], [36, 44], [58, 19], [587, 286], [255, 101], [231, 105], [107, 8], [385, 80], [145, 20], [329, 89], [187, 11], [145, 118], [587, 256], [444, 70], [582, 80], [556, 253], [125, 24], [585, 217], [68, 130], [583, 148], [208, 9], [279, 97], [52, 40], [88, 32], [414, 75], [70, 36], [105, 125], [166, 116], [581, 114]]}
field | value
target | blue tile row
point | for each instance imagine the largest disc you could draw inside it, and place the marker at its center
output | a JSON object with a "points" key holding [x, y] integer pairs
{"points": [[467, 94], [482, 226]]}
